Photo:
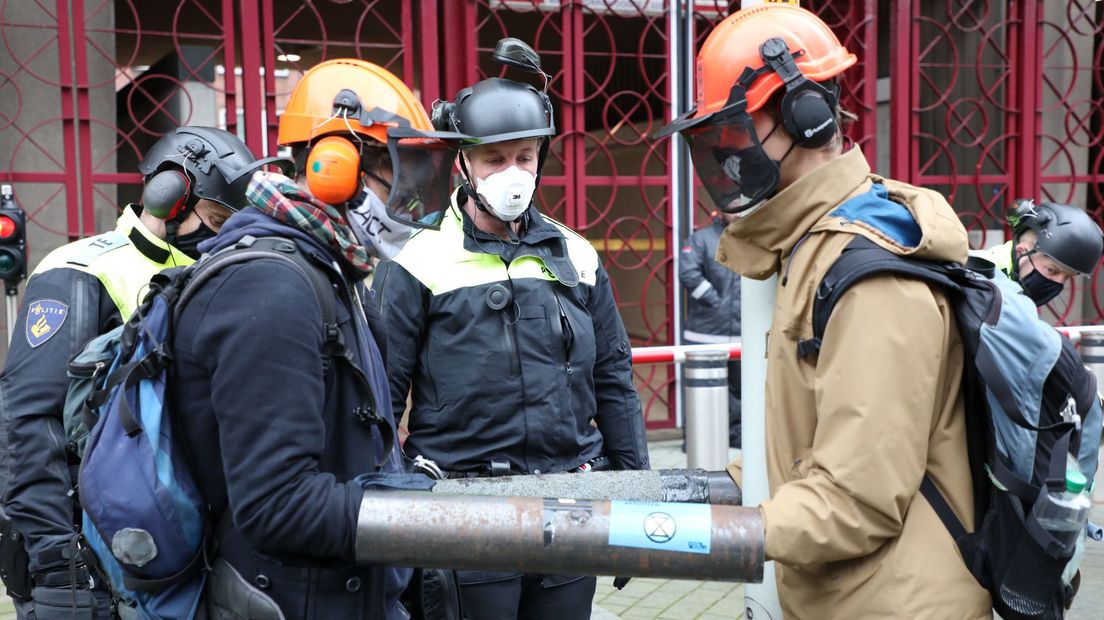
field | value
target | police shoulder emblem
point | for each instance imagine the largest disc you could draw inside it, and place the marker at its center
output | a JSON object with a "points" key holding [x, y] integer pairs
{"points": [[44, 319]]}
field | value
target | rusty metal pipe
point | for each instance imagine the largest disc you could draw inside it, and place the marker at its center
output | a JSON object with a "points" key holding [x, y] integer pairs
{"points": [[534, 535], [664, 485]]}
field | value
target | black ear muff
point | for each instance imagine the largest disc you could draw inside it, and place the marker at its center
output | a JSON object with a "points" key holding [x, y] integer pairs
{"points": [[808, 108], [166, 194]]}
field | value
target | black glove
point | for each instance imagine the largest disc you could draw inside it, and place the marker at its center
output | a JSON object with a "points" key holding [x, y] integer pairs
{"points": [[63, 593]]}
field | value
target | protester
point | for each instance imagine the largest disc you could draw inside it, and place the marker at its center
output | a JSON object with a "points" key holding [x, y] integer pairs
{"points": [[294, 409], [853, 431]]}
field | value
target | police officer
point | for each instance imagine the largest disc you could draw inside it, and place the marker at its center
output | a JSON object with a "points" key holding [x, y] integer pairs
{"points": [[1051, 243], [504, 323], [192, 182], [713, 306], [298, 409]]}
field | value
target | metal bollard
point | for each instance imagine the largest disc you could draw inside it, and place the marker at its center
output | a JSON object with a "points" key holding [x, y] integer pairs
{"points": [[1092, 353], [706, 385]]}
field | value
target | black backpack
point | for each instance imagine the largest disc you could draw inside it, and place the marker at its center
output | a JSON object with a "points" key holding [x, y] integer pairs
{"points": [[1016, 452]]}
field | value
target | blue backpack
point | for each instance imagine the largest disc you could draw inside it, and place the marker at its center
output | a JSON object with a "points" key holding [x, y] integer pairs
{"points": [[1029, 402], [144, 517]]}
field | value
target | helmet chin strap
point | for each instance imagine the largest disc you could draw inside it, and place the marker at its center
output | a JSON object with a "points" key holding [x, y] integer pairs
{"points": [[470, 180]]}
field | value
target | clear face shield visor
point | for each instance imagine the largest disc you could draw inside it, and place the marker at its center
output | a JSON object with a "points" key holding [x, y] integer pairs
{"points": [[421, 165], [731, 163]]}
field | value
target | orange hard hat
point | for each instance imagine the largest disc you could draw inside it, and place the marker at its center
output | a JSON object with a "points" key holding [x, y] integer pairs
{"points": [[733, 46], [346, 94]]}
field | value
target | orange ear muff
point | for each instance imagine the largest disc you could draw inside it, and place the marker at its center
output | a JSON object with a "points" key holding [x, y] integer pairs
{"points": [[333, 170]]}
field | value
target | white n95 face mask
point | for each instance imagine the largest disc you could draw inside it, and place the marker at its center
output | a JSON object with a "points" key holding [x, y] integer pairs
{"points": [[507, 193]]}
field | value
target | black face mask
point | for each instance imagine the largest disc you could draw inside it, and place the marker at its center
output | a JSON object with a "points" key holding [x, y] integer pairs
{"points": [[1040, 288], [189, 243]]}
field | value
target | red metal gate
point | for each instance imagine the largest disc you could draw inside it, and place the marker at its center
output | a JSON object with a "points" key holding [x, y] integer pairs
{"points": [[1003, 100], [87, 85]]}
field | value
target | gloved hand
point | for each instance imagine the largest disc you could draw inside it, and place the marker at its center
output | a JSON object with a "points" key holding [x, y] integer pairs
{"points": [[64, 592]]}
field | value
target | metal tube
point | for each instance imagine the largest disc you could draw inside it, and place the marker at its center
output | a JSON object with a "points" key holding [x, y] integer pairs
{"points": [[664, 485], [706, 386], [533, 535]]}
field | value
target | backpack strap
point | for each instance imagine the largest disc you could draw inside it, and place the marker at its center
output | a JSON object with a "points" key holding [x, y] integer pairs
{"points": [[862, 258], [942, 508], [333, 345]]}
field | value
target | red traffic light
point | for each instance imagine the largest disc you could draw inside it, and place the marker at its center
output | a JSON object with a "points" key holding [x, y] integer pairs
{"points": [[8, 227]]}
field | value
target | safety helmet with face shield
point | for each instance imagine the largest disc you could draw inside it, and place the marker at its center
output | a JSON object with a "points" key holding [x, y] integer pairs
{"points": [[348, 120], [744, 61]]}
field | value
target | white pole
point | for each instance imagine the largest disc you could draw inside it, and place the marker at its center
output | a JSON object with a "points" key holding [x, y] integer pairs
{"points": [[756, 310], [674, 40]]}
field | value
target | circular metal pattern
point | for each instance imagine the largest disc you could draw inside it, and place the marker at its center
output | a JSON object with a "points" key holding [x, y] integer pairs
{"points": [[967, 122], [142, 93], [968, 15], [609, 87]]}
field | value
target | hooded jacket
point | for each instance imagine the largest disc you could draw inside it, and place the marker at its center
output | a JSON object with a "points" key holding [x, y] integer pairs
{"points": [[77, 292], [276, 437], [851, 432]]}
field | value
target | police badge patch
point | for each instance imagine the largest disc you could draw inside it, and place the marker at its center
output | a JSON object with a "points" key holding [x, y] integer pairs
{"points": [[44, 319]]}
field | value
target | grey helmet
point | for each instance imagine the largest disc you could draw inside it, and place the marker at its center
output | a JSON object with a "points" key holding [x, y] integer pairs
{"points": [[1065, 233], [217, 167]]}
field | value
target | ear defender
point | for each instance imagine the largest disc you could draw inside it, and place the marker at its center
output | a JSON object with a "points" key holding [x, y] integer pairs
{"points": [[807, 108], [166, 194], [333, 170]]}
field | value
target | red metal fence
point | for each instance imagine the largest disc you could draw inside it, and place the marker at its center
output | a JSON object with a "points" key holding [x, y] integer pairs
{"points": [[984, 100]]}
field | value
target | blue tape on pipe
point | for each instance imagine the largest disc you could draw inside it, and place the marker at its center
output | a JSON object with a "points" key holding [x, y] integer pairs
{"points": [[685, 528]]}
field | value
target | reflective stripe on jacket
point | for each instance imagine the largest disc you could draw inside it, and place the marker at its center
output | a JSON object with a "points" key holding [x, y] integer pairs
{"points": [[713, 303], [97, 282], [512, 350]]}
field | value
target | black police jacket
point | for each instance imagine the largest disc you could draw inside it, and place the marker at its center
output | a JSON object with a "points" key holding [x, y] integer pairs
{"points": [[76, 293], [713, 290], [275, 437], [516, 353]]}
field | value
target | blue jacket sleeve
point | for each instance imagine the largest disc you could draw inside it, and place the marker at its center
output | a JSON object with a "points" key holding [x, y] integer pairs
{"points": [[260, 336], [619, 415], [32, 394], [399, 297]]}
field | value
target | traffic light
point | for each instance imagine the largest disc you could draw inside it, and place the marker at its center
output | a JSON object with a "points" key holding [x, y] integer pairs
{"points": [[13, 241]]}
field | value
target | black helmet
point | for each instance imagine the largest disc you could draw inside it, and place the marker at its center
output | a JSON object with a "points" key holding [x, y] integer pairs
{"points": [[1064, 232], [217, 163], [497, 110]]}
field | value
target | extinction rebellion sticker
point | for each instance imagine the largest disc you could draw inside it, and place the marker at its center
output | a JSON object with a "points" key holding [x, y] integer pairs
{"points": [[657, 525]]}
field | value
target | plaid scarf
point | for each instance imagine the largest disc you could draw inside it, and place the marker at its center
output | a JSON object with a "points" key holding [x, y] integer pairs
{"points": [[280, 197]]}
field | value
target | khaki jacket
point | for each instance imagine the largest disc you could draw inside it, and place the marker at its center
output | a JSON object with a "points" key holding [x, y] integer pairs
{"points": [[852, 432]]}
